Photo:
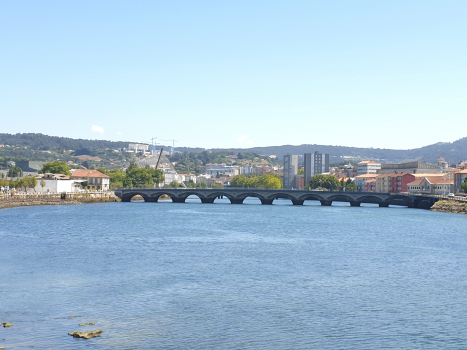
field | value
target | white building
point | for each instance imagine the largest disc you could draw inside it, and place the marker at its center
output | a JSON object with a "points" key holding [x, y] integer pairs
{"points": [[368, 167], [138, 147], [215, 169], [56, 183], [96, 179], [203, 178]]}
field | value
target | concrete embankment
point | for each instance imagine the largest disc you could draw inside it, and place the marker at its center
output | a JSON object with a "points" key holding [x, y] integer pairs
{"points": [[55, 199], [450, 207]]}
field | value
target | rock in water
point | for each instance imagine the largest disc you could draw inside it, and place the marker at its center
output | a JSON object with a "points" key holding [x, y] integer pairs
{"points": [[75, 316], [86, 335], [85, 324], [6, 324]]}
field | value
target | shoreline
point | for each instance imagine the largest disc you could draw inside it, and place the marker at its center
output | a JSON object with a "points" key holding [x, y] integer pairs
{"points": [[450, 206], [56, 199]]}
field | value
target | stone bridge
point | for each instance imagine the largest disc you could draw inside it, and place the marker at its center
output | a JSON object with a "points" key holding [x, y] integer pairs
{"points": [[267, 196]]}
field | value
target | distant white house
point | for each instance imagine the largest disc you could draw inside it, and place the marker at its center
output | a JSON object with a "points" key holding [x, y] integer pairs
{"points": [[56, 183], [96, 179]]}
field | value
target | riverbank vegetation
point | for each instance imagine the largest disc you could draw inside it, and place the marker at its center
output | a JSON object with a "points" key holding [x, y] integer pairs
{"points": [[264, 181], [327, 182], [134, 176]]}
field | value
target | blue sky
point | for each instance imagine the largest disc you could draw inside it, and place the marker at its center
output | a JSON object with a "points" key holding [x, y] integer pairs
{"points": [[214, 74]]}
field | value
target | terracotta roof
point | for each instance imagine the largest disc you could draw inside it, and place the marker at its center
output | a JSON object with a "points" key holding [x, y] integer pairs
{"points": [[366, 175], [416, 182], [88, 173], [393, 174], [439, 180]]}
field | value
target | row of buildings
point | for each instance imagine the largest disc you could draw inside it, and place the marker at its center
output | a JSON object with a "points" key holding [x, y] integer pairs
{"points": [[411, 177], [58, 183]]}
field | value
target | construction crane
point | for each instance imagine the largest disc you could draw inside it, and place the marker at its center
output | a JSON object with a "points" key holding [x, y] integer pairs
{"points": [[160, 156], [173, 143]]}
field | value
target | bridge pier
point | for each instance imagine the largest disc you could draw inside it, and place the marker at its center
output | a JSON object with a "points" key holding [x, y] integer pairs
{"points": [[297, 201], [326, 203], [178, 200], [236, 201], [207, 200], [355, 204], [266, 201], [151, 199], [383, 205]]}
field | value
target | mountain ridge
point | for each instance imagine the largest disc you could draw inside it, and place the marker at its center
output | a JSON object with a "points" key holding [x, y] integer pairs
{"points": [[453, 152]]}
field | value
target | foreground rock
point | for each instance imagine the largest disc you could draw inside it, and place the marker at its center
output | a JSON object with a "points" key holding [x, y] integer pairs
{"points": [[6, 324], [450, 207], [85, 324], [86, 335]]}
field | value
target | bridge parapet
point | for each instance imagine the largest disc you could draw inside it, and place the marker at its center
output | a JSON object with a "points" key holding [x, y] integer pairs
{"points": [[267, 196]]}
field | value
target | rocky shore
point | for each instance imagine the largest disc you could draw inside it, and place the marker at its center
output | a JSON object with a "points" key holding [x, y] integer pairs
{"points": [[56, 199], [450, 207]]}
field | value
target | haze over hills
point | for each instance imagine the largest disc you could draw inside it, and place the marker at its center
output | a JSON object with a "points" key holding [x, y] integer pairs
{"points": [[453, 152]]}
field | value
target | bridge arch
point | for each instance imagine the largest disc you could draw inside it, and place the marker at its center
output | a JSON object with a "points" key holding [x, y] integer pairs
{"points": [[340, 198], [400, 200], [311, 197], [212, 196], [246, 195], [369, 199], [155, 196], [188, 193], [128, 196]]}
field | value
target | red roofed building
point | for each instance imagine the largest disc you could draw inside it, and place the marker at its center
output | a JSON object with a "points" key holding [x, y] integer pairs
{"points": [[95, 178]]}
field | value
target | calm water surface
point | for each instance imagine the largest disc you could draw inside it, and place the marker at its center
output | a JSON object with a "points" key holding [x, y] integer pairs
{"points": [[221, 276]]}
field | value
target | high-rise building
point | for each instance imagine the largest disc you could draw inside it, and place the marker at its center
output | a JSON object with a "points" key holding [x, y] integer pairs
{"points": [[315, 163], [290, 170]]}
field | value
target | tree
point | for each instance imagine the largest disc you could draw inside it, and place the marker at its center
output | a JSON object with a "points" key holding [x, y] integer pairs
{"points": [[55, 167], [464, 185], [214, 185], [139, 177], [348, 186], [117, 178], [174, 184], [15, 172], [328, 182], [43, 183], [264, 181], [3, 182], [239, 181], [32, 182], [12, 184], [203, 184]]}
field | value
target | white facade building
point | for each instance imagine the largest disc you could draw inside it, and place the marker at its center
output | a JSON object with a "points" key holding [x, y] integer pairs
{"points": [[368, 167], [215, 169], [138, 147]]}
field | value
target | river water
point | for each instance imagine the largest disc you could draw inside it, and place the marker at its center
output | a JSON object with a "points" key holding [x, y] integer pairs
{"points": [[221, 276]]}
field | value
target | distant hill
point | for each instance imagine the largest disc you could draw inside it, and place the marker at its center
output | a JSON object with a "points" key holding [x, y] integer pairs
{"points": [[453, 152], [44, 142]]}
